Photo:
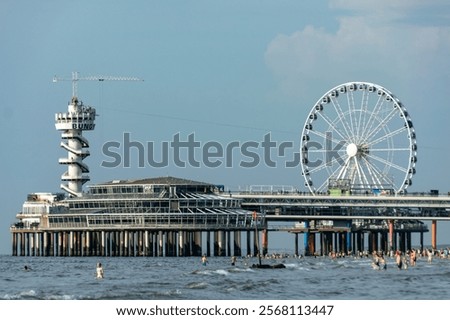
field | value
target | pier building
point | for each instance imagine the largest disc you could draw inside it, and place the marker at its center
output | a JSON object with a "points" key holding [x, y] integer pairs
{"points": [[163, 216]]}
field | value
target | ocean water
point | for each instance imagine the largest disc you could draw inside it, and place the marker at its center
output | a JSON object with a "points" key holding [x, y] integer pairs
{"points": [[161, 278]]}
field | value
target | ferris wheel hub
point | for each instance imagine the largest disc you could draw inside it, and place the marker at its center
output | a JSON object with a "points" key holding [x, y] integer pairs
{"points": [[352, 150]]}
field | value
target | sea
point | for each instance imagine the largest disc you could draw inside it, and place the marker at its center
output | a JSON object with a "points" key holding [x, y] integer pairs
{"points": [[185, 278]]}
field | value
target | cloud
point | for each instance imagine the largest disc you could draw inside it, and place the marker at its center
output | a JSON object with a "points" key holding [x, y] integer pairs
{"points": [[369, 42]]}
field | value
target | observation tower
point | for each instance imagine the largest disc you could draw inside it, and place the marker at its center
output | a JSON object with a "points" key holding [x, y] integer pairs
{"points": [[72, 123]]}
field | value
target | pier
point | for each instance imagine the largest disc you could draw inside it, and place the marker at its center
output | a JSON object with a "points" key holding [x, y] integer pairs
{"points": [[351, 223], [353, 203], [176, 217]]}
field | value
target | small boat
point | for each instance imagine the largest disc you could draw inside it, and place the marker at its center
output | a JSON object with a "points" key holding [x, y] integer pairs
{"points": [[268, 266]]}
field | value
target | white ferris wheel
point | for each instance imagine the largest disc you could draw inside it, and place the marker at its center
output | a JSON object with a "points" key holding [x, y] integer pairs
{"points": [[358, 137]]}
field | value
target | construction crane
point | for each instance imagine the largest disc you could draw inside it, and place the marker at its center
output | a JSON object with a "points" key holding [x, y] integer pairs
{"points": [[75, 78]]}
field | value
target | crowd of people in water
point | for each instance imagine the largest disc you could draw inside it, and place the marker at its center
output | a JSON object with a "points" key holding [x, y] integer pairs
{"points": [[403, 260]]}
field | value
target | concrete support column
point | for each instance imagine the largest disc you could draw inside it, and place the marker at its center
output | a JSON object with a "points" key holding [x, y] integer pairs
{"points": [[126, 243], [335, 241], [161, 244], [216, 244], [394, 243], [343, 242], [146, 244], [306, 239], [228, 241], [171, 242], [421, 241], [222, 243], [139, 245], [383, 242], [332, 242], [32, 244], [408, 241], [14, 244], [88, 244], [349, 247], [62, 245], [255, 244], [155, 236], [56, 243], [208, 243], [391, 235], [265, 241], [130, 243], [237, 243], [35, 244], [108, 243], [311, 243], [22, 244], [45, 249], [197, 244], [323, 244], [434, 234], [181, 243], [67, 243], [83, 243], [102, 251], [121, 243], [296, 244], [112, 243], [360, 241], [59, 249], [402, 241], [70, 243], [52, 243], [249, 250], [76, 243], [374, 241], [40, 236], [151, 244]]}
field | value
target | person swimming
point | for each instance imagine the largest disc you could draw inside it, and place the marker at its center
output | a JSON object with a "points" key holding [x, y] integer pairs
{"points": [[204, 260], [99, 271], [398, 260]]}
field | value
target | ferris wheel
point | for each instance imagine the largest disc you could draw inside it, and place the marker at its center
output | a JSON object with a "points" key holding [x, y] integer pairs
{"points": [[359, 138]]}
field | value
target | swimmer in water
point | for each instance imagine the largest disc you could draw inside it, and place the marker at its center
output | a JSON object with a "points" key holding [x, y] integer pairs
{"points": [[398, 260], [99, 271], [204, 260]]}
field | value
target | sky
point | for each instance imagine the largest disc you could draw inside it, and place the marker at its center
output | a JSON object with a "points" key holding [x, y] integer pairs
{"points": [[222, 71]]}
